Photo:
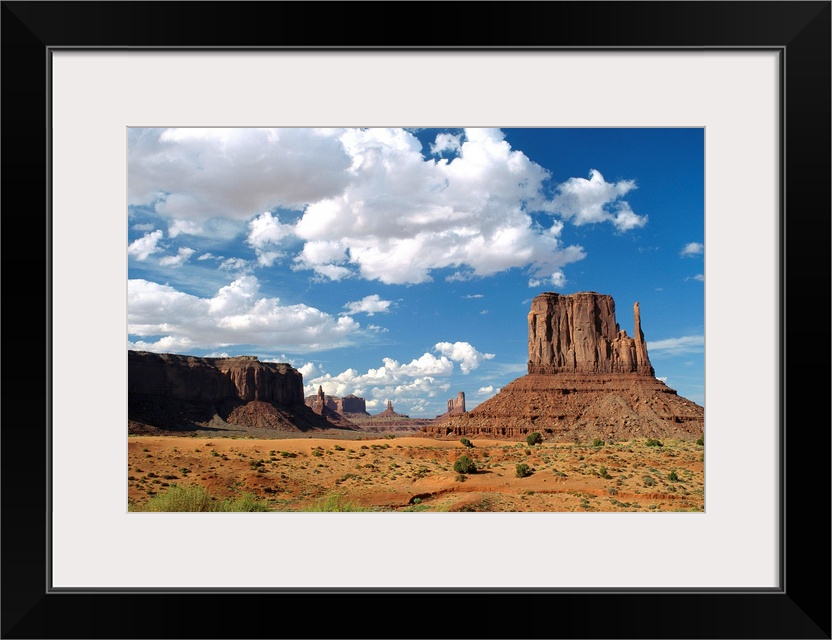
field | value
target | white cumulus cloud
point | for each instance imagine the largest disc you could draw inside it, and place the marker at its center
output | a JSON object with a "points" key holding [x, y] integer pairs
{"points": [[179, 259], [464, 353], [370, 203], [404, 216], [370, 305], [692, 249], [265, 235], [236, 315], [142, 247], [205, 173], [587, 201], [446, 142]]}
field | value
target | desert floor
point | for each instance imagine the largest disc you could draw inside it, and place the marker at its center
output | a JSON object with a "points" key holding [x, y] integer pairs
{"points": [[414, 473]]}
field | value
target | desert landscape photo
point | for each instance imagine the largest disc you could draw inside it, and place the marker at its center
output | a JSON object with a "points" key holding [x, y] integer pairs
{"points": [[416, 320]]}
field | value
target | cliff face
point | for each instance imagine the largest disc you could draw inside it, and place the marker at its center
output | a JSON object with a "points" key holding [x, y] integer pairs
{"points": [[586, 379], [169, 391], [578, 333], [263, 381], [212, 379], [176, 377]]}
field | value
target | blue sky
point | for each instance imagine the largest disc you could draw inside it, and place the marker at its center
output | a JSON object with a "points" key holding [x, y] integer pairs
{"points": [[399, 264]]}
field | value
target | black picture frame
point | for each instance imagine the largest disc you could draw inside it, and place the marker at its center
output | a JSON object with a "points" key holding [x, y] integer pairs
{"points": [[799, 608]]}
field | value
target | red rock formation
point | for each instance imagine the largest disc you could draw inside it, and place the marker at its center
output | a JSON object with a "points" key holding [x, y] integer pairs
{"points": [[457, 405], [347, 406], [173, 391], [352, 404], [389, 412], [578, 333], [586, 379]]}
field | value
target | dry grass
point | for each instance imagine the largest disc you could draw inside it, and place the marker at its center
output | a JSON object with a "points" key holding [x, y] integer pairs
{"points": [[417, 474]]}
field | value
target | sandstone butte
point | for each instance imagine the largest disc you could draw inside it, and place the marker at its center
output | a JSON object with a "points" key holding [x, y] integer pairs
{"points": [[172, 392], [586, 379]]}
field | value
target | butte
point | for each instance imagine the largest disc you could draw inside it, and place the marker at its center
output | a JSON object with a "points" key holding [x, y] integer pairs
{"points": [[586, 379]]}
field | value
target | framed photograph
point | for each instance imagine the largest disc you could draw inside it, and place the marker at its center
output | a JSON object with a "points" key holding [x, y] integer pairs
{"points": [[752, 78]]}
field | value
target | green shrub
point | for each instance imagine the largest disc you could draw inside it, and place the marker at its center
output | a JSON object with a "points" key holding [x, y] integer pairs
{"points": [[603, 473], [334, 502], [338, 447], [654, 442], [466, 442], [598, 442], [522, 470], [248, 502], [185, 498], [534, 438], [464, 464], [700, 442], [649, 481], [673, 477]]}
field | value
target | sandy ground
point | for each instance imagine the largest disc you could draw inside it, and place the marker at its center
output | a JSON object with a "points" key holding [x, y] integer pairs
{"points": [[404, 473]]}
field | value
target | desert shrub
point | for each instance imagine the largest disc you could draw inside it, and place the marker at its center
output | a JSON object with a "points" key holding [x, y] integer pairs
{"points": [[338, 447], [288, 454], [672, 476], [467, 443], [522, 470], [649, 481], [248, 502], [598, 442], [464, 464], [534, 438], [317, 453], [603, 473], [184, 498], [334, 502], [654, 442], [700, 442]]}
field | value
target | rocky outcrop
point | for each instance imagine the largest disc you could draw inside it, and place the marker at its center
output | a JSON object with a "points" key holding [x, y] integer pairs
{"points": [[578, 333], [587, 379], [171, 391], [457, 405], [348, 406], [389, 412], [352, 404]]}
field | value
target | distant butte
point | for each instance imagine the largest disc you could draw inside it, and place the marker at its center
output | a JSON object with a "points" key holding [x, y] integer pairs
{"points": [[586, 379], [168, 392]]}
